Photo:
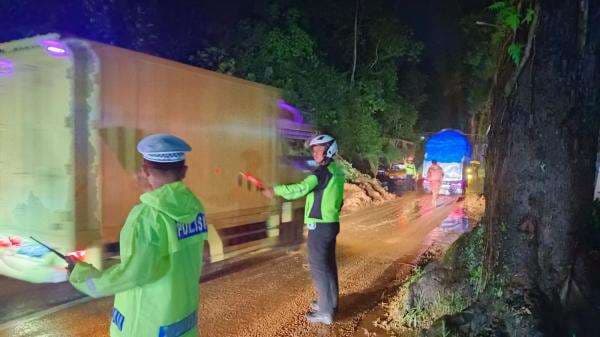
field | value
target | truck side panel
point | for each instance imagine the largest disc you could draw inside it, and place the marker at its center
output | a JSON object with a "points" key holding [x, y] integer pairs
{"points": [[230, 124]]}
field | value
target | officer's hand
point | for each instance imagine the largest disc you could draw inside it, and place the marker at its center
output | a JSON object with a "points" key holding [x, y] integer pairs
{"points": [[268, 192], [71, 262]]}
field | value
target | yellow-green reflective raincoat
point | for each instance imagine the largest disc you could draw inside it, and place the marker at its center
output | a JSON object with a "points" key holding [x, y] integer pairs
{"points": [[324, 191], [156, 282]]}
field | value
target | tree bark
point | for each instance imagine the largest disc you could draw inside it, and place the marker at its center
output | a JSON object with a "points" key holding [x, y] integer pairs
{"points": [[355, 53], [541, 163]]}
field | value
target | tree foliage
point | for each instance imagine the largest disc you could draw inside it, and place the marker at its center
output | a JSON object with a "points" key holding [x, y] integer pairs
{"points": [[291, 47]]}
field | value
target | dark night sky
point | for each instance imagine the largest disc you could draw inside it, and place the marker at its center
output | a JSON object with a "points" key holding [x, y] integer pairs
{"points": [[436, 24]]}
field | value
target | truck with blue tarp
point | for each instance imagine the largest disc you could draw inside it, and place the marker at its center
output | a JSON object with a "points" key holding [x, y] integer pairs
{"points": [[452, 150]]}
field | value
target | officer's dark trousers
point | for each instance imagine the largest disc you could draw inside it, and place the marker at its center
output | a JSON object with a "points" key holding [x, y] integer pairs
{"points": [[323, 266]]}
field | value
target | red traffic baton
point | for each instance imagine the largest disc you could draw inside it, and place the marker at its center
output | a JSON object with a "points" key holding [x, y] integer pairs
{"points": [[253, 180]]}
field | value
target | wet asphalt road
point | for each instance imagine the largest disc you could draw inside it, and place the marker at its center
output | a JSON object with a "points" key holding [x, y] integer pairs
{"points": [[270, 298]]}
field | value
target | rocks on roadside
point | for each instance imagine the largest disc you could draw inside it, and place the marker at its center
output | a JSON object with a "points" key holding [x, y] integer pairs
{"points": [[362, 190]]}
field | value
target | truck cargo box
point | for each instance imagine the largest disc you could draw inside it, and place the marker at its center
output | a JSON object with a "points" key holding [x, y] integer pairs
{"points": [[71, 114]]}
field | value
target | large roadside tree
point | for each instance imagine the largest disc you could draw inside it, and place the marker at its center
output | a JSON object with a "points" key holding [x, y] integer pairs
{"points": [[541, 163], [531, 267]]}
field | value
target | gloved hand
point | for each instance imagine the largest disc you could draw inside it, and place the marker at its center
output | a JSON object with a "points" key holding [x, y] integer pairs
{"points": [[71, 262], [268, 192]]}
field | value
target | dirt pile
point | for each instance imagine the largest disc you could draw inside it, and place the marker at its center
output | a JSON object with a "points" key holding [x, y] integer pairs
{"points": [[362, 190]]}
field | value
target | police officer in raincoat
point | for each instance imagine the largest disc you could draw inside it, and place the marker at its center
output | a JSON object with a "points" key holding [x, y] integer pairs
{"points": [[324, 191], [161, 244]]}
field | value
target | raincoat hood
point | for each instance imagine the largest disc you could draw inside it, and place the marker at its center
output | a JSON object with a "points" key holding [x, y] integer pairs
{"points": [[175, 200]]}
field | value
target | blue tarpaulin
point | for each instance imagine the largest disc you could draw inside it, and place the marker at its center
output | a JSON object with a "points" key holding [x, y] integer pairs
{"points": [[448, 146]]}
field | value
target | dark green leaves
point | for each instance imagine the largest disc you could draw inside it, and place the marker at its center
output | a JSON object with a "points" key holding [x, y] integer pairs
{"points": [[515, 51], [510, 17]]}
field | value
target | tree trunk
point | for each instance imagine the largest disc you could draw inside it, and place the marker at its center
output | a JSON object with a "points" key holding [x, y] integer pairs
{"points": [[541, 165], [355, 54]]}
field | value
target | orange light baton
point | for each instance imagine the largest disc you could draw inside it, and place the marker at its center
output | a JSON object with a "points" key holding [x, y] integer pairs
{"points": [[253, 180]]}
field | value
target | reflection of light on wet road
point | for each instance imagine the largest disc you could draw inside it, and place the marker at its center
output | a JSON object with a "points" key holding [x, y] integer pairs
{"points": [[422, 207], [451, 228], [457, 221]]}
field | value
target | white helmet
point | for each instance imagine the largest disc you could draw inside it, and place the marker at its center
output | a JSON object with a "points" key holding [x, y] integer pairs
{"points": [[329, 143]]}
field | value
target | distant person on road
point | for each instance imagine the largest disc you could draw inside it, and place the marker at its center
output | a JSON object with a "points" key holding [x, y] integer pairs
{"points": [[435, 175], [161, 244], [411, 172], [324, 191]]}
